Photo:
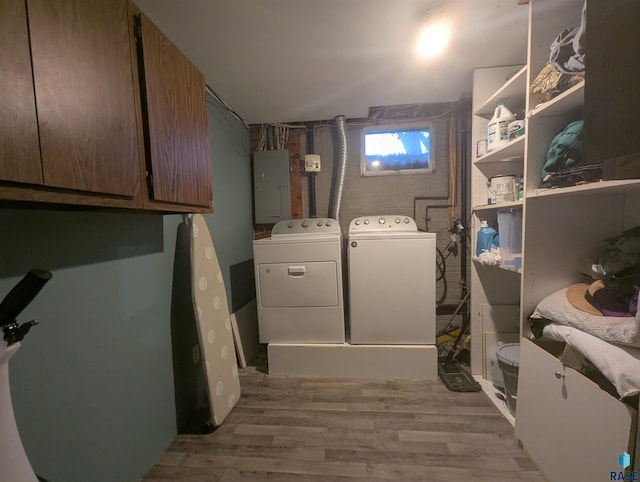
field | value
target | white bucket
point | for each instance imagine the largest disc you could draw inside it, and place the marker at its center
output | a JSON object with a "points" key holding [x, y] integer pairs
{"points": [[508, 356], [503, 189]]}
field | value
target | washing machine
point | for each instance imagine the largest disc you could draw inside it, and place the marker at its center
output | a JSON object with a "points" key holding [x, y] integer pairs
{"points": [[392, 278], [299, 289]]}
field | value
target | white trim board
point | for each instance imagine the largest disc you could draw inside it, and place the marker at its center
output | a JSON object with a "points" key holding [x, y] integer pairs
{"points": [[329, 360], [245, 331]]}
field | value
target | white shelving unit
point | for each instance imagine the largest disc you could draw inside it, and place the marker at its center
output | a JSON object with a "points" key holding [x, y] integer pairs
{"points": [[495, 291], [563, 229], [494, 207], [510, 93]]}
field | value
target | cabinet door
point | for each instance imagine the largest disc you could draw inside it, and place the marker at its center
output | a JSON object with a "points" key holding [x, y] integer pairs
{"points": [[177, 141], [19, 149], [84, 92], [571, 428], [613, 74]]}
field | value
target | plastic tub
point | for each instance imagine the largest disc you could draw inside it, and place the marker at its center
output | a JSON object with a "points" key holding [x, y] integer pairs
{"points": [[510, 230], [508, 356]]}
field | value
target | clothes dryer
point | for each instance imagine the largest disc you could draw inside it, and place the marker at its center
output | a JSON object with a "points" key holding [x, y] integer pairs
{"points": [[392, 278], [299, 289]]}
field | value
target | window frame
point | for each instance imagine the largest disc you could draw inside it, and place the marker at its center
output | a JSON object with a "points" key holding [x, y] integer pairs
{"points": [[398, 126]]}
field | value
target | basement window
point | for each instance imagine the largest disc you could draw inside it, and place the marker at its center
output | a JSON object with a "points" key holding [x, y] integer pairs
{"points": [[396, 150]]}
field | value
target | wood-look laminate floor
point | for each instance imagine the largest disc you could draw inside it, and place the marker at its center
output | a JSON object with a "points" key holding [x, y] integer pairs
{"points": [[291, 429]]}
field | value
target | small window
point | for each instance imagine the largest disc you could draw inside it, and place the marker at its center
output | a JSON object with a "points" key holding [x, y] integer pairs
{"points": [[396, 150]]}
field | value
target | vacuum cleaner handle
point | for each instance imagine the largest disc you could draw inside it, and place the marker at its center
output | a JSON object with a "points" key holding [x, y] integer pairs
{"points": [[22, 294]]}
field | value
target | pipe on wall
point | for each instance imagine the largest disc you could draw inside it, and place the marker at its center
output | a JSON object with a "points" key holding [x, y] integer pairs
{"points": [[312, 175], [340, 171], [426, 198], [426, 213]]}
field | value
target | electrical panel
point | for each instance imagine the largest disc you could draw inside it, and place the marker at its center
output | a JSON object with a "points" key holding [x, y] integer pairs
{"points": [[271, 186]]}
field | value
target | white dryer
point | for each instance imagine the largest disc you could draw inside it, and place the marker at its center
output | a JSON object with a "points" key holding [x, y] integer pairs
{"points": [[299, 282], [392, 279]]}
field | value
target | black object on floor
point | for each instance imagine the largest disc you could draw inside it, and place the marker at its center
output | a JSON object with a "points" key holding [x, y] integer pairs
{"points": [[454, 377]]}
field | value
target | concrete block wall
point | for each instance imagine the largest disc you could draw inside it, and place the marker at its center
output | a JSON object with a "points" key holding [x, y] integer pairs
{"points": [[388, 194]]}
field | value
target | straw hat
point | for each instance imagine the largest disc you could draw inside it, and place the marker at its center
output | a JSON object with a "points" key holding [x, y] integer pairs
{"points": [[580, 294], [607, 300]]}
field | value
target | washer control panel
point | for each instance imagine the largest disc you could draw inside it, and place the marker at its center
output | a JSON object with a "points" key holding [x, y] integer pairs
{"points": [[382, 223], [306, 226]]}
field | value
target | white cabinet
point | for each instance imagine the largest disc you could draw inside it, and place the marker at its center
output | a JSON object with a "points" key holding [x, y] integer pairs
{"points": [[568, 407], [568, 425]]}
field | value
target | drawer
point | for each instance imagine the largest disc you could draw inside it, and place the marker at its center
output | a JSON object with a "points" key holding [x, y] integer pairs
{"points": [[572, 429]]}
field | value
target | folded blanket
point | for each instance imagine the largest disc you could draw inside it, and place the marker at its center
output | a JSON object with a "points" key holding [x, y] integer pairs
{"points": [[614, 329]]}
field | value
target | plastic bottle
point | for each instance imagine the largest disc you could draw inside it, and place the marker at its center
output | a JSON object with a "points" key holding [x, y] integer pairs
{"points": [[520, 187], [486, 235], [498, 127]]}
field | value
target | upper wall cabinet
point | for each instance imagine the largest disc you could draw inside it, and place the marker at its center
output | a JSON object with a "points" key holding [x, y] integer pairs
{"points": [[175, 115], [69, 125], [19, 149], [84, 92], [74, 124]]}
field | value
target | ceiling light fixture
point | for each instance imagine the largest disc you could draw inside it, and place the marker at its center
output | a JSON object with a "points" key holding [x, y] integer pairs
{"points": [[434, 35]]}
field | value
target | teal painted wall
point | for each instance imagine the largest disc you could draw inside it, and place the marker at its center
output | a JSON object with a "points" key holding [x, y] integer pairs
{"points": [[231, 223], [92, 384]]}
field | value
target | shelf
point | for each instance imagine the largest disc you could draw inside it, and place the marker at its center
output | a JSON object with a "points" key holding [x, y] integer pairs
{"points": [[514, 151], [512, 93], [569, 101], [607, 187], [495, 207], [490, 391], [491, 266]]}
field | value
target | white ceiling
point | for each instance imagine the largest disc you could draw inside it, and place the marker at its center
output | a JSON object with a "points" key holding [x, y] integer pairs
{"points": [[303, 60]]}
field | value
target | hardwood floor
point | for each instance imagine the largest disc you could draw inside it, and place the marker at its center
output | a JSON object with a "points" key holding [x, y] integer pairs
{"points": [[289, 429]]}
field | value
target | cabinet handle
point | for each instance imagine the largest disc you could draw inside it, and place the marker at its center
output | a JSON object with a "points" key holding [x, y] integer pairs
{"points": [[296, 271], [559, 375]]}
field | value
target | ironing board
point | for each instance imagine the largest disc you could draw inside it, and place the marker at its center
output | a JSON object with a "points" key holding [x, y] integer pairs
{"points": [[214, 323]]}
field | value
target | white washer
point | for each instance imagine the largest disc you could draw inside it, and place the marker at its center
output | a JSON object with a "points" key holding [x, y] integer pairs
{"points": [[392, 278], [299, 282]]}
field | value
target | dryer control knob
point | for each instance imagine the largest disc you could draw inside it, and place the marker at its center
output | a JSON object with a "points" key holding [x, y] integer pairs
{"points": [[382, 220], [329, 223], [319, 223], [290, 225], [305, 224], [357, 222], [406, 220], [397, 220], [366, 221]]}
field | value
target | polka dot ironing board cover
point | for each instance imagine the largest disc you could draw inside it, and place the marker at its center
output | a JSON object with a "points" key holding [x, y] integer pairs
{"points": [[214, 323]]}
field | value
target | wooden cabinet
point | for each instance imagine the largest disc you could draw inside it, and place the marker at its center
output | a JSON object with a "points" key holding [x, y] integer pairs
{"points": [[84, 92], [77, 117], [613, 73], [175, 117], [19, 145]]}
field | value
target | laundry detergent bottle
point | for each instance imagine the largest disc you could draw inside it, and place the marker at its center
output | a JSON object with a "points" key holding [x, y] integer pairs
{"points": [[498, 127], [486, 236]]}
